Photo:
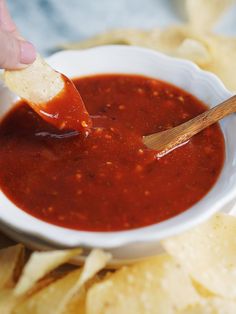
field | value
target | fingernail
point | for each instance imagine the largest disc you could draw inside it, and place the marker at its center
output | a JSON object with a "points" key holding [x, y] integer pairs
{"points": [[27, 52]]}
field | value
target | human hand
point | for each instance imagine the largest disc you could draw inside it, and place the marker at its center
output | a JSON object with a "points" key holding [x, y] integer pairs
{"points": [[15, 52]]}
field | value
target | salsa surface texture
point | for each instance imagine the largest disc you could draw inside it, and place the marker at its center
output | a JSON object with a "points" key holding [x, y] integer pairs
{"points": [[109, 181]]}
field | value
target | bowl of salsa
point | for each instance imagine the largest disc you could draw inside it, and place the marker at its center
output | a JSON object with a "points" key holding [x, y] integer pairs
{"points": [[107, 189]]}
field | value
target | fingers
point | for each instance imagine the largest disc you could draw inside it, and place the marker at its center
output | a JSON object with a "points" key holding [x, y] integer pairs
{"points": [[15, 53], [27, 53], [6, 22]]}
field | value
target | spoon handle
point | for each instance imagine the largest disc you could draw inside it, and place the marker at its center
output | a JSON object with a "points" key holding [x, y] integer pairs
{"points": [[167, 140]]}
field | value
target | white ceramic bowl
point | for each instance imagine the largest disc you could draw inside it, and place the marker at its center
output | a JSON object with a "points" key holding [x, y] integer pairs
{"points": [[143, 241]]}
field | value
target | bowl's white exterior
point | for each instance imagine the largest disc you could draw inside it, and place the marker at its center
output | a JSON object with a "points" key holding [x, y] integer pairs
{"points": [[143, 241]]}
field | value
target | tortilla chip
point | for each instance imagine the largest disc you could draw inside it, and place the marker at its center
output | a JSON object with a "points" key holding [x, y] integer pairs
{"points": [[40, 264], [150, 286], [195, 51], [203, 14], [208, 253], [114, 37], [77, 305], [56, 296], [48, 84], [223, 52], [7, 301], [179, 41], [11, 263]]}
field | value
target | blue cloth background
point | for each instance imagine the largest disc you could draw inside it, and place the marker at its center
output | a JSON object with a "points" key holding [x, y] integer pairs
{"points": [[48, 23]]}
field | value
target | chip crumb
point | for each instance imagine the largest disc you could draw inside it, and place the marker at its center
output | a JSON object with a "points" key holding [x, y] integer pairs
{"points": [[184, 115], [138, 168], [140, 91], [98, 130], [209, 149], [154, 82], [78, 176], [108, 137], [126, 224], [50, 209], [121, 107], [62, 125], [84, 124]]}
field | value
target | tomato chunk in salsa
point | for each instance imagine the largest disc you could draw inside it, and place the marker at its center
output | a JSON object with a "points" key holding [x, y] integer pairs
{"points": [[108, 180]]}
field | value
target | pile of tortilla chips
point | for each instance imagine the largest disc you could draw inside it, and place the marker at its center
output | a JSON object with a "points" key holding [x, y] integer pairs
{"points": [[195, 275], [194, 40]]}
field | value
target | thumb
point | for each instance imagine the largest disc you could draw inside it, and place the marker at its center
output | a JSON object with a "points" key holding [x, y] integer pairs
{"points": [[15, 53]]}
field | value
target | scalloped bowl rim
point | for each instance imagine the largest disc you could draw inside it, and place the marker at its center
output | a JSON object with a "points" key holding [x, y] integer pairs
{"points": [[26, 223]]}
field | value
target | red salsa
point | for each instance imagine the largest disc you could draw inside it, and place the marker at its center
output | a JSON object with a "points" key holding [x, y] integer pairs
{"points": [[63, 114], [108, 180]]}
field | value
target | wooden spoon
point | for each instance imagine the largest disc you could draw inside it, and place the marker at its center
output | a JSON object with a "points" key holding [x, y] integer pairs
{"points": [[166, 141]]}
